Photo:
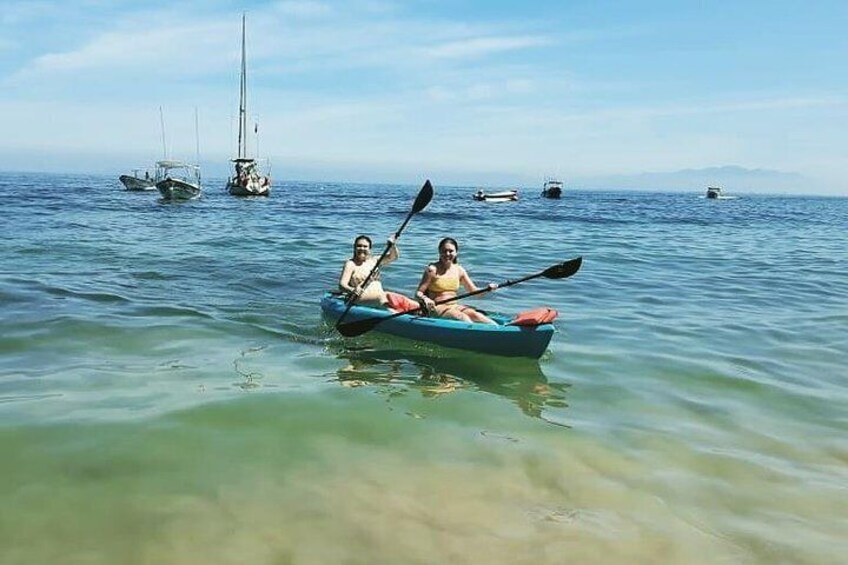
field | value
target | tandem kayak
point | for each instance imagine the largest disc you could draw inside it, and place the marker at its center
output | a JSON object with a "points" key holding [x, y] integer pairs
{"points": [[500, 339]]}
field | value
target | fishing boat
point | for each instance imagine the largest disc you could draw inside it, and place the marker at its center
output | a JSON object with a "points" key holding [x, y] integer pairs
{"points": [[179, 180], [247, 178], [492, 339], [503, 196], [552, 188], [713, 192], [136, 182]]}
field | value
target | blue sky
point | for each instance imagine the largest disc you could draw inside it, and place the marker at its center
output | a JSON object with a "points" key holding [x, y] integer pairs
{"points": [[463, 92]]}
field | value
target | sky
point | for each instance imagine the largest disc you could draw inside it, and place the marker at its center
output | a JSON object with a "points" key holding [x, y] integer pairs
{"points": [[464, 92]]}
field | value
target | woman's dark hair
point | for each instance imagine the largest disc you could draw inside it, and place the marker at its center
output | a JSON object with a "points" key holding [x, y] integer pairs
{"points": [[455, 244]]}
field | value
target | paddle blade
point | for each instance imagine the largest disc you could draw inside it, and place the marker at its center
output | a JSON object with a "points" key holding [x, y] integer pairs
{"points": [[359, 327], [425, 195], [563, 270]]}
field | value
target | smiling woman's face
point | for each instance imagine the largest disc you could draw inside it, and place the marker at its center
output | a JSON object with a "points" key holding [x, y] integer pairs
{"points": [[361, 247], [447, 252]]}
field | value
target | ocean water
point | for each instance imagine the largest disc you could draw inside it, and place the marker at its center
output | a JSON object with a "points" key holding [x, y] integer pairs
{"points": [[170, 394]]}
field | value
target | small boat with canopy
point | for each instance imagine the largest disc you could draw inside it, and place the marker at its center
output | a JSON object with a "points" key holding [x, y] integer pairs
{"points": [[552, 189], [180, 181]]}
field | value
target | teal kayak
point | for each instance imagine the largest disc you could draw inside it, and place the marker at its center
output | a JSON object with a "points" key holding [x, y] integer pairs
{"points": [[500, 339]]}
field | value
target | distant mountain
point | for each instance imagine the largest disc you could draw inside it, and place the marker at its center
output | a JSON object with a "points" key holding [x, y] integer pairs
{"points": [[731, 178]]}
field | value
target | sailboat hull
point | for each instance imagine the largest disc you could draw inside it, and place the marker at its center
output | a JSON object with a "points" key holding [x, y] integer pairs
{"points": [[252, 187]]}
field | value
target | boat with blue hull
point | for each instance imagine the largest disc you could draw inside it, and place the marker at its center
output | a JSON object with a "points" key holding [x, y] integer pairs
{"points": [[501, 339]]}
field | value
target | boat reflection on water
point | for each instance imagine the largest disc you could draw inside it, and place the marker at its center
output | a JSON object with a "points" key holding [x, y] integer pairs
{"points": [[435, 371]]}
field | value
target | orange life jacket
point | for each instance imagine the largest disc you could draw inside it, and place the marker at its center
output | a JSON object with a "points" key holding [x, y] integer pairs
{"points": [[400, 302], [534, 317]]}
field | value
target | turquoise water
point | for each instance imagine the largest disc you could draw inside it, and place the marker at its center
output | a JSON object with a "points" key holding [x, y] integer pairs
{"points": [[169, 393]]}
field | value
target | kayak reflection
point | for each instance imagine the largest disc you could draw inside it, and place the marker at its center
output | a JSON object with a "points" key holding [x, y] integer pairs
{"points": [[441, 371]]}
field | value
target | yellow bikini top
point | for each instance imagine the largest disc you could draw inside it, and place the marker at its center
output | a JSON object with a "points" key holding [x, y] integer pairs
{"points": [[443, 283]]}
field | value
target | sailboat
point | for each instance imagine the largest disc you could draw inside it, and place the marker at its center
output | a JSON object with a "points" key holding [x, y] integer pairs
{"points": [[247, 178]]}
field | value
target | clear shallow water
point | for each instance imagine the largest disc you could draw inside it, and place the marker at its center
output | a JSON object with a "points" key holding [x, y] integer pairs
{"points": [[168, 392]]}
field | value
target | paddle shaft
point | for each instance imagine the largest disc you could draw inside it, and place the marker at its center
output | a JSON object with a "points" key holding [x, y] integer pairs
{"points": [[385, 252], [469, 294]]}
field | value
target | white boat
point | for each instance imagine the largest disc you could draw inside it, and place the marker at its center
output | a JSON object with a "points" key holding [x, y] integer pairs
{"points": [[713, 192], [247, 178], [137, 183], [502, 196], [552, 188], [180, 181]]}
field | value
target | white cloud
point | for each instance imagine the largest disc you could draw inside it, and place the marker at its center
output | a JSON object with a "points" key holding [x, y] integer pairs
{"points": [[304, 8], [716, 107], [520, 86], [24, 12], [187, 48], [439, 94], [479, 87], [482, 46], [7, 45]]}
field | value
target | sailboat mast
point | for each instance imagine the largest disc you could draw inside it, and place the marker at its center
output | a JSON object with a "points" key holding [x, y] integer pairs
{"points": [[242, 136], [162, 123], [196, 136], [197, 144]]}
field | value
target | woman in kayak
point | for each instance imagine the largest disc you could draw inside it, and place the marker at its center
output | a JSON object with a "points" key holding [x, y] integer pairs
{"points": [[441, 281], [356, 270]]}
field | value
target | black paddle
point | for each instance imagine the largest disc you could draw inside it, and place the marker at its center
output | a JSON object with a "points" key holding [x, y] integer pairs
{"points": [[425, 195], [559, 271]]}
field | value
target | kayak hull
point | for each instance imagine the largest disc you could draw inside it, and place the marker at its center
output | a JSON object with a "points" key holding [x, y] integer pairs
{"points": [[506, 341]]}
